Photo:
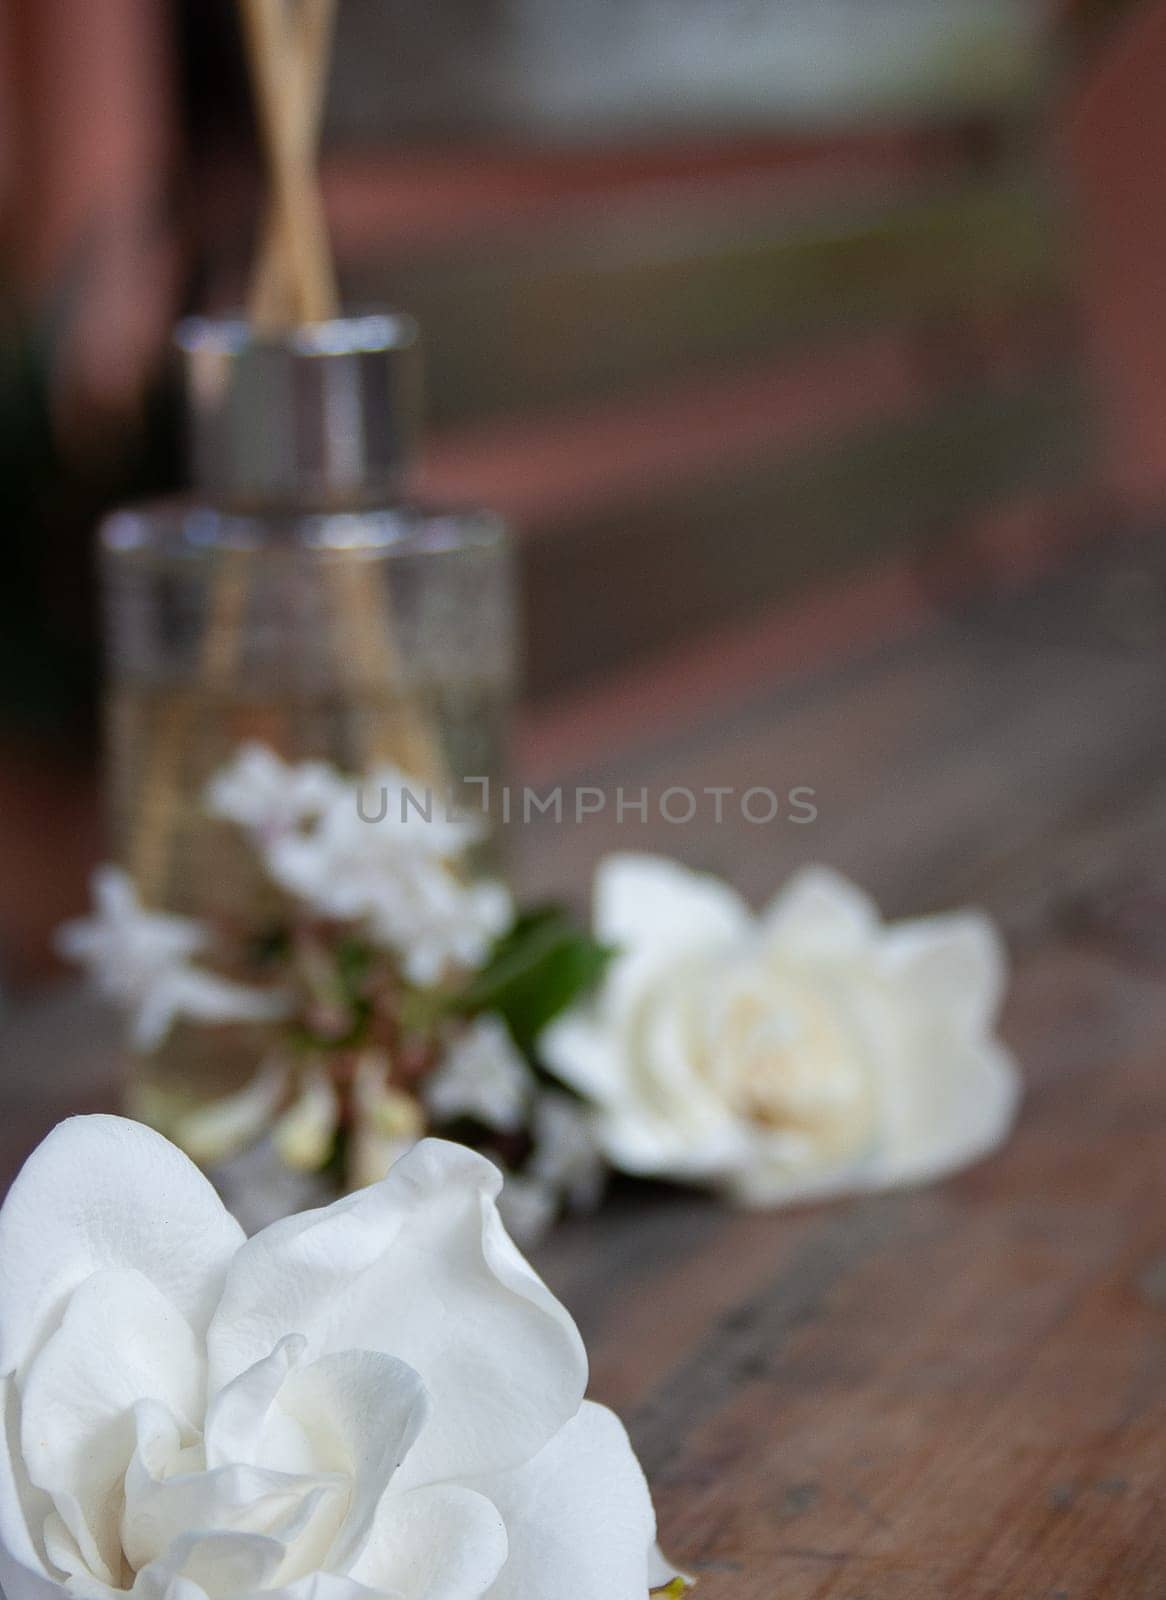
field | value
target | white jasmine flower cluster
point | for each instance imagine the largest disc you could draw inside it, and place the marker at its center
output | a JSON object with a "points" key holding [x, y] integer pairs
{"points": [[567, 1159], [380, 852], [566, 1170], [269, 797], [386, 1123], [142, 960], [481, 1075]]}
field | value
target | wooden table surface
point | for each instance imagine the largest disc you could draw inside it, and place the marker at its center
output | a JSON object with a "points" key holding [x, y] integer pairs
{"points": [[959, 1392]]}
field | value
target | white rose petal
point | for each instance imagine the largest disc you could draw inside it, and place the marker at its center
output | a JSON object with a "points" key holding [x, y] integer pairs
{"points": [[439, 1543], [576, 1511], [120, 1342], [378, 1271], [101, 1192], [807, 1052], [363, 1412], [23, 1511], [379, 1399]]}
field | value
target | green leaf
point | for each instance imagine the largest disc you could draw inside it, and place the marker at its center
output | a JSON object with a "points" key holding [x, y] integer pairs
{"points": [[542, 966], [353, 961]]}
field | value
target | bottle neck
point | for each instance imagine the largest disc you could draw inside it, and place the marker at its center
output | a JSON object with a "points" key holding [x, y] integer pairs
{"points": [[323, 417], [306, 498]]}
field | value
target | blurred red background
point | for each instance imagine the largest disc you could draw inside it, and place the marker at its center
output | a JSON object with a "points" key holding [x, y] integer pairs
{"points": [[849, 341]]}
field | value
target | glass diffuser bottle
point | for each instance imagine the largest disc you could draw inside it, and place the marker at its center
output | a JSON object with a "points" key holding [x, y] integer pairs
{"points": [[299, 600]]}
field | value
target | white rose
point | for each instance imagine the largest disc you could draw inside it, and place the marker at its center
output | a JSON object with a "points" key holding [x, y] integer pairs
{"points": [[810, 1051], [380, 1398]]}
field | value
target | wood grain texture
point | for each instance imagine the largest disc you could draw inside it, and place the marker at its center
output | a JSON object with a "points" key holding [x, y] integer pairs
{"points": [[954, 1392]]}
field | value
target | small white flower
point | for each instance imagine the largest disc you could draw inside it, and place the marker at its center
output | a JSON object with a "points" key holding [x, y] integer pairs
{"points": [[481, 1075], [434, 921], [386, 1122], [267, 796], [141, 960], [306, 1133], [123, 946], [527, 1207], [566, 1157], [806, 1052], [219, 1130], [194, 995], [373, 856], [380, 1398], [566, 1166]]}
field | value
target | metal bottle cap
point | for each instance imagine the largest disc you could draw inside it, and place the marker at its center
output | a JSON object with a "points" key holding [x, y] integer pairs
{"points": [[325, 414]]}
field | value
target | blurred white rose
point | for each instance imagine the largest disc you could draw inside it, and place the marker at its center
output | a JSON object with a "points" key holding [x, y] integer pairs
{"points": [[375, 1399], [806, 1052]]}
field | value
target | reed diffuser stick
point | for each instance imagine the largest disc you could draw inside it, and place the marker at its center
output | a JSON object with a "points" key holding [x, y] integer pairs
{"points": [[295, 280], [162, 792], [289, 48]]}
